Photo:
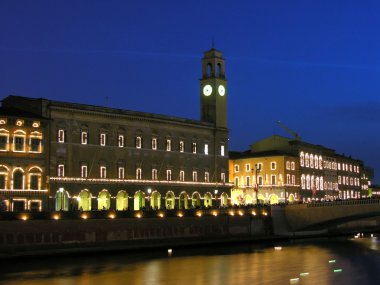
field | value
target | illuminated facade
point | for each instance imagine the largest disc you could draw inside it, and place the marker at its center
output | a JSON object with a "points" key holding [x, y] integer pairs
{"points": [[264, 177], [102, 158], [23, 161], [323, 174]]}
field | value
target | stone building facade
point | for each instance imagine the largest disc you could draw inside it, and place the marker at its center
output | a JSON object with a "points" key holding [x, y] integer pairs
{"points": [[321, 173], [99, 158]]}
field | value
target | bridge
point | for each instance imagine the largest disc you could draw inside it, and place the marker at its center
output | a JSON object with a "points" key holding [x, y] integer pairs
{"points": [[324, 215]]}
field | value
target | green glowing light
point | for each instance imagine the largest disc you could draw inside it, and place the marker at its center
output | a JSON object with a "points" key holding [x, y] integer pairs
{"points": [[338, 270], [332, 261], [304, 274]]}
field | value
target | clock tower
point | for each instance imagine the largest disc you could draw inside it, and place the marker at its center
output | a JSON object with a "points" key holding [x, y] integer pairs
{"points": [[214, 89]]}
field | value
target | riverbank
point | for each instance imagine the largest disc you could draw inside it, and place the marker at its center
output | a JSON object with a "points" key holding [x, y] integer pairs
{"points": [[41, 237]]}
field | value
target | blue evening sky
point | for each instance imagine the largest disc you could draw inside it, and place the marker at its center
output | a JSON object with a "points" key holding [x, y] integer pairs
{"points": [[313, 64]]}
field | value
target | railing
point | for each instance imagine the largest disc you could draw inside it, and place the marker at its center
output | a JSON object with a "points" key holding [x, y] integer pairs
{"points": [[251, 211], [344, 202]]}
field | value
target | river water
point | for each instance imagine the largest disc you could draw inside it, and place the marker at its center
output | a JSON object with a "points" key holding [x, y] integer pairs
{"points": [[324, 261]]}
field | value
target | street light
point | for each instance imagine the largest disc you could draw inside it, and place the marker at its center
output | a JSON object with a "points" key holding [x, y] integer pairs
{"points": [[216, 197], [257, 169], [149, 198]]}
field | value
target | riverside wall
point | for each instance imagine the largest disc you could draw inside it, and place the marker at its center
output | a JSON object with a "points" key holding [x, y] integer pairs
{"points": [[45, 236]]}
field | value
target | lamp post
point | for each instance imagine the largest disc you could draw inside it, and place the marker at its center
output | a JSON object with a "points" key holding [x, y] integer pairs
{"points": [[257, 169], [149, 198], [216, 197]]}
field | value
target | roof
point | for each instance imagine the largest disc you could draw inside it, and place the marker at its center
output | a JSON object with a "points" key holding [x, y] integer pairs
{"points": [[15, 112], [249, 154], [116, 111]]}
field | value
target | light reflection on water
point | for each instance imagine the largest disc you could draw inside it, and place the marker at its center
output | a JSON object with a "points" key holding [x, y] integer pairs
{"points": [[359, 260]]}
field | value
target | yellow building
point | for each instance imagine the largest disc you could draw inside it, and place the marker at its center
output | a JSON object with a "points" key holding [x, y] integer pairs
{"points": [[264, 177]]}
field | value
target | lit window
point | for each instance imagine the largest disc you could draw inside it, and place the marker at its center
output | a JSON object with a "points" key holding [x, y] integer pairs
{"points": [[36, 124], [120, 140], [61, 170], [35, 145], [120, 172], [154, 174], [18, 179], [103, 139], [321, 183], [3, 181], [247, 181], [259, 166], [302, 159], [288, 165], [182, 175], [206, 149], [303, 184], [20, 123], [307, 160], [154, 143], [247, 167], [317, 183], [83, 171], [168, 145], [138, 142], [207, 177], [316, 161], [320, 162], [273, 179], [138, 173], [236, 167], [222, 152], [260, 180], [195, 176], [3, 121], [236, 181], [84, 137], [61, 136], [181, 146], [223, 177], [288, 179], [339, 179], [103, 172], [19, 143], [34, 182], [273, 166], [4, 140], [308, 182], [293, 165], [311, 160], [168, 175], [194, 147], [293, 179]]}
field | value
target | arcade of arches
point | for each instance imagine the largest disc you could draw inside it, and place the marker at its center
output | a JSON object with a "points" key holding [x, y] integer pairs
{"points": [[87, 201]]}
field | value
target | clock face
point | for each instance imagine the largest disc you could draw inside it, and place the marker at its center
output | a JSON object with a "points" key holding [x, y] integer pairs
{"points": [[221, 90], [207, 90]]}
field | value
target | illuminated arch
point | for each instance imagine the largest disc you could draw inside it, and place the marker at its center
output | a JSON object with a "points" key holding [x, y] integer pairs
{"points": [[224, 199], [261, 199], [248, 199], [31, 169], [183, 201], [62, 200], [273, 199], [196, 200], [139, 200], [291, 198], [104, 200], [155, 200], [84, 200], [18, 178], [122, 201], [207, 200], [170, 200]]}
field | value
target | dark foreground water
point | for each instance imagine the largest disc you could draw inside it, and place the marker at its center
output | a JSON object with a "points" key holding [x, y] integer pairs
{"points": [[344, 261]]}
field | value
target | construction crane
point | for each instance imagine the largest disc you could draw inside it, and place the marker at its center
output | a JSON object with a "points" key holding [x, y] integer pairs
{"points": [[289, 131]]}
